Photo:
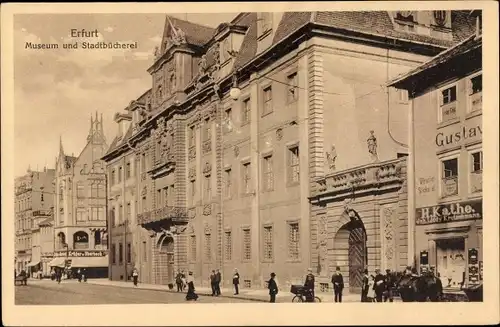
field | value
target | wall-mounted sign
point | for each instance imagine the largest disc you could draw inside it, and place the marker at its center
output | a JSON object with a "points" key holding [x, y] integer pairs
{"points": [[480, 270], [426, 184], [473, 266], [444, 213], [80, 253], [424, 257], [457, 137]]}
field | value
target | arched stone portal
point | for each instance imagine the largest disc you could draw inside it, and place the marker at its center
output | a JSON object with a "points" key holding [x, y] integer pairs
{"points": [[165, 271], [350, 251]]}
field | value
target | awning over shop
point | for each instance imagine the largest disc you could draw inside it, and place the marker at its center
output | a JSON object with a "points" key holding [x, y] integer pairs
{"points": [[33, 263], [89, 262], [57, 262]]}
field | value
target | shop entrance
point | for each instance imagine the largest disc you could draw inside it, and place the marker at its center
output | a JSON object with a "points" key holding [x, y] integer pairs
{"points": [[451, 261], [166, 260]]}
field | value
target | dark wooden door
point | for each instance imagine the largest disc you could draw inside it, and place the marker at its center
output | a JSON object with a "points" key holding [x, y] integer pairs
{"points": [[357, 258]]}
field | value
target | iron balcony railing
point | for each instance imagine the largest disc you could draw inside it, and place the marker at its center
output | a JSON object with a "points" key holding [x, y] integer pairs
{"points": [[176, 214]]}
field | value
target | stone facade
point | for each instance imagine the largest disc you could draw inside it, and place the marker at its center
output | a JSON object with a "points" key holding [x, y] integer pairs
{"points": [[226, 178]]}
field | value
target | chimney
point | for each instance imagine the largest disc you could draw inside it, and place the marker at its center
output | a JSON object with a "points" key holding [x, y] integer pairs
{"points": [[478, 26]]}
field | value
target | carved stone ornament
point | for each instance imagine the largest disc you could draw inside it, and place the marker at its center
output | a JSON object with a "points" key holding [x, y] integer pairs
{"points": [[190, 229], [144, 190], [207, 229], [279, 134], [388, 232], [152, 233], [440, 17], [207, 169], [236, 151], [207, 146], [192, 173], [192, 213], [192, 153], [207, 209], [331, 157], [178, 36]]}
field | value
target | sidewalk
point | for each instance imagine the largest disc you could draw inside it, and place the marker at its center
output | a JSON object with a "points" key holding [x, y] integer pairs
{"points": [[258, 295]]}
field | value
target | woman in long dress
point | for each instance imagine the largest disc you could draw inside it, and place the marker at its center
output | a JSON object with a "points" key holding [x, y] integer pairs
{"points": [[191, 295]]}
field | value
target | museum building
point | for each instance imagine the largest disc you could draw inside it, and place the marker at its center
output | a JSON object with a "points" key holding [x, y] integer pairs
{"points": [[445, 97], [264, 145]]}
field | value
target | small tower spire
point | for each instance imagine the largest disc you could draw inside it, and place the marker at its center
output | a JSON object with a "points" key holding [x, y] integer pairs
{"points": [[61, 149]]}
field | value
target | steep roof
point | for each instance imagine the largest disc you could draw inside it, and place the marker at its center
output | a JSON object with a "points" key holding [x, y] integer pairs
{"points": [[471, 43], [196, 34], [365, 22]]}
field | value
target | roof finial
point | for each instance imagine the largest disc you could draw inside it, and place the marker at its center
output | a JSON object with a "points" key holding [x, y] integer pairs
{"points": [[61, 149]]}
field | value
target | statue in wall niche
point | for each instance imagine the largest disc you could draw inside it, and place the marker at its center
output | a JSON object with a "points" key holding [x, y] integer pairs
{"points": [[202, 65], [372, 146], [331, 157]]}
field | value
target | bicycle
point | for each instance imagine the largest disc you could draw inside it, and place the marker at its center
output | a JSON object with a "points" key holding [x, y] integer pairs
{"points": [[301, 294]]}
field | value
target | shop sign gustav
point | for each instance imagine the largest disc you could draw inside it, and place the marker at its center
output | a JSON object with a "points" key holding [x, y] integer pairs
{"points": [[444, 213]]}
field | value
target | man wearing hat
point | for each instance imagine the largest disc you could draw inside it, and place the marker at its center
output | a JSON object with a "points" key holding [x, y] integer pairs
{"points": [[364, 287], [338, 285], [379, 285], [389, 286], [273, 288]]}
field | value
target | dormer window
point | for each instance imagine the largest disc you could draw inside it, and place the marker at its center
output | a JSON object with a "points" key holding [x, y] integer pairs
{"points": [[440, 17], [265, 21], [406, 16]]}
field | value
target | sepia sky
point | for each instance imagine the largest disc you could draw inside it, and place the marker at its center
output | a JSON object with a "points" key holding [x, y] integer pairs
{"points": [[56, 90]]}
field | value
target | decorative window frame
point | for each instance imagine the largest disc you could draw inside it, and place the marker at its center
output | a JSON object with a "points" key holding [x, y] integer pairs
{"points": [[472, 149], [289, 72], [263, 87], [246, 98], [263, 242], [439, 99], [264, 155], [288, 224], [288, 168], [243, 162], [242, 230], [231, 245], [455, 154], [228, 195]]}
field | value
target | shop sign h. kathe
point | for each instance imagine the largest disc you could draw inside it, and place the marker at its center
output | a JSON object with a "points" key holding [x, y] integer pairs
{"points": [[444, 213]]}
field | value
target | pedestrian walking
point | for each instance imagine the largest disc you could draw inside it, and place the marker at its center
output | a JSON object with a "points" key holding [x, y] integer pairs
{"points": [[379, 285], [84, 275], [370, 295], [183, 280], [218, 280], [58, 275], [364, 286], [309, 285], [191, 295], [273, 288], [212, 282], [135, 276], [178, 281], [79, 275], [236, 281], [338, 285]]}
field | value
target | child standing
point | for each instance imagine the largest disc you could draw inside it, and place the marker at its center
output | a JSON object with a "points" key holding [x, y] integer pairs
{"points": [[370, 296]]}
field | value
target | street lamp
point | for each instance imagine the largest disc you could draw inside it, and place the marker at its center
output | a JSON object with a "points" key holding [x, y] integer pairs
{"points": [[235, 91]]}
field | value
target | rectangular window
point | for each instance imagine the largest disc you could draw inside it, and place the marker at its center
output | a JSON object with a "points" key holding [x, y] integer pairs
{"points": [[208, 187], [449, 95], [268, 173], [245, 111], [192, 134], [228, 120], [120, 253], [129, 253], [192, 248], [247, 244], [476, 176], [268, 243], [80, 191], [208, 247], [448, 107], [80, 215], [293, 241], [228, 182], [120, 214], [228, 246], [475, 93], [129, 211], [113, 253], [449, 177], [144, 252], [113, 177], [268, 101], [292, 90], [293, 165], [246, 178], [128, 170]]}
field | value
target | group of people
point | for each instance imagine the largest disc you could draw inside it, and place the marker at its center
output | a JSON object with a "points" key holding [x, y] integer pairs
{"points": [[378, 287]]}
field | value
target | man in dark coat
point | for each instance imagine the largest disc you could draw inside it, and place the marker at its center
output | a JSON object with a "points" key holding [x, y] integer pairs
{"points": [[390, 283], [338, 285], [178, 281], [218, 280], [379, 285], [364, 287], [212, 282], [236, 281], [309, 286], [273, 288]]}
